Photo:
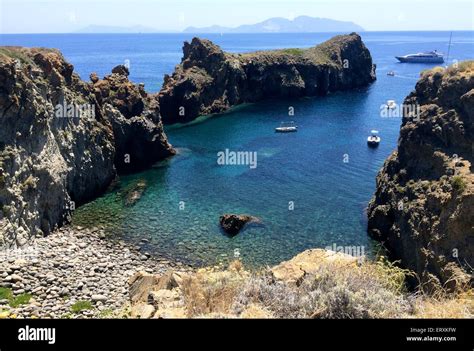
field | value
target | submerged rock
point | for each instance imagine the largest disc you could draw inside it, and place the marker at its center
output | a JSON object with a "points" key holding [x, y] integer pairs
{"points": [[134, 193], [232, 224], [424, 202], [209, 80]]}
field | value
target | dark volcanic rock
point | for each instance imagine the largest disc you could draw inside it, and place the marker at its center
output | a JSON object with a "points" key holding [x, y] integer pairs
{"points": [[136, 122], [232, 224], [209, 80], [423, 208], [61, 139], [121, 69]]}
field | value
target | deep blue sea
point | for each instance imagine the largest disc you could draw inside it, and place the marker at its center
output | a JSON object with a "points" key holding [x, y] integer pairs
{"points": [[306, 168]]}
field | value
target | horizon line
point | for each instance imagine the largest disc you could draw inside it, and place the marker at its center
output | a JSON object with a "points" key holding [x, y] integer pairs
{"points": [[183, 32]]}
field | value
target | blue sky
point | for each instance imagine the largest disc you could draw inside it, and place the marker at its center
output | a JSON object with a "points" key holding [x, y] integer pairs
{"points": [[62, 16]]}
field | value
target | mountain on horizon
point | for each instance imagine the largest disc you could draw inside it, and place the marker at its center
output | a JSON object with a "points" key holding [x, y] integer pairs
{"points": [[301, 24]]}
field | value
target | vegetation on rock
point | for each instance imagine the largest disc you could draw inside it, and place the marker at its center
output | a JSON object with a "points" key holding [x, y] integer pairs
{"points": [[314, 284]]}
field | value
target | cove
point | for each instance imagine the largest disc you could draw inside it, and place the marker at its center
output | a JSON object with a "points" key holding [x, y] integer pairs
{"points": [[307, 169]]}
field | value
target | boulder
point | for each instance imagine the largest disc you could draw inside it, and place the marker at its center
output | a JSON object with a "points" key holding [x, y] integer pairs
{"points": [[134, 192], [140, 284], [308, 262], [121, 70], [232, 224], [142, 310]]}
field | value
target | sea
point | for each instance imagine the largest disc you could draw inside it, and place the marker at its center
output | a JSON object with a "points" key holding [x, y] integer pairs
{"points": [[310, 189]]}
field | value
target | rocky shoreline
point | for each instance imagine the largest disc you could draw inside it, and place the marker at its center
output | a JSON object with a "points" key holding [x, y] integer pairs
{"points": [[74, 268]]}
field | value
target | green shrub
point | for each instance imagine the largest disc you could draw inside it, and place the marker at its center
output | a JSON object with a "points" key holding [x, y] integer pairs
{"points": [[5, 294], [19, 300], [293, 51], [81, 306], [458, 184], [6, 210]]}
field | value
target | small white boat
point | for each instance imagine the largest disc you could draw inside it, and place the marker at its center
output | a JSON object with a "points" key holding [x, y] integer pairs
{"points": [[373, 139], [391, 73], [286, 127], [391, 104]]}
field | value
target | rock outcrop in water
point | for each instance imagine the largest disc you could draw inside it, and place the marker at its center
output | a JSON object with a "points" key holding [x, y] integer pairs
{"points": [[423, 208], [232, 224], [62, 140], [209, 80]]}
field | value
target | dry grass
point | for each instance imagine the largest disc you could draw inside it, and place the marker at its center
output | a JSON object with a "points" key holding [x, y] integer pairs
{"points": [[446, 306], [369, 290], [461, 69], [211, 292], [466, 68]]}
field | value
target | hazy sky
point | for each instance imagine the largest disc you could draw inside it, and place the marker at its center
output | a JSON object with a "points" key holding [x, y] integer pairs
{"points": [[50, 16]]}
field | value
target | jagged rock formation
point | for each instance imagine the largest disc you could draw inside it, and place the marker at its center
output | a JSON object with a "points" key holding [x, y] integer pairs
{"points": [[135, 118], [63, 139], [209, 80], [423, 208]]}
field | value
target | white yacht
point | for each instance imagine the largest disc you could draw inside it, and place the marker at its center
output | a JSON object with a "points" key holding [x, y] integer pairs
{"points": [[422, 57], [286, 127]]}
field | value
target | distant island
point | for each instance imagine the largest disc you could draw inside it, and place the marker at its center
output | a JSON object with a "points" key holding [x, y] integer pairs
{"points": [[301, 24]]}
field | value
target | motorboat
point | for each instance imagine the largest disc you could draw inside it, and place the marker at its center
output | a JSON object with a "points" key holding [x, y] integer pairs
{"points": [[287, 127], [391, 73], [373, 140]]}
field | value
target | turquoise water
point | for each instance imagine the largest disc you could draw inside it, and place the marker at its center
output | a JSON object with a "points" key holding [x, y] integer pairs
{"points": [[307, 167]]}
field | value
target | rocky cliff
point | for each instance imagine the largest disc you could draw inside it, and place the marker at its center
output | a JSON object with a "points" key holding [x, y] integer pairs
{"points": [[423, 208], [209, 80], [62, 140]]}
